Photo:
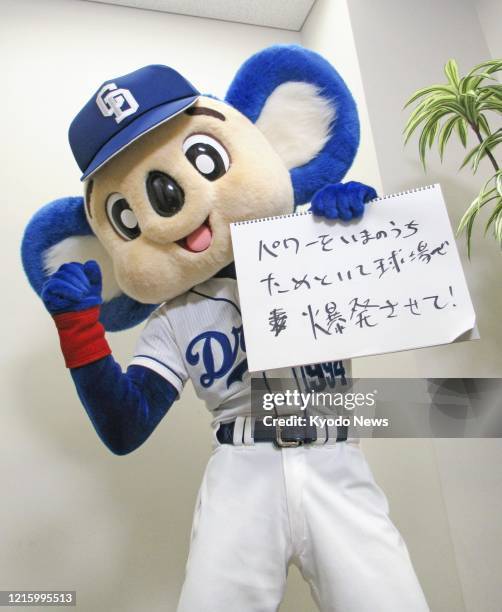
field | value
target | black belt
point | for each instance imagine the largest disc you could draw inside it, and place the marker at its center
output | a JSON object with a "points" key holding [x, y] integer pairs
{"points": [[280, 436]]}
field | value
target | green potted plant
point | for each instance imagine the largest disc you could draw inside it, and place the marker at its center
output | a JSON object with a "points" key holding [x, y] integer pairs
{"points": [[462, 104]]}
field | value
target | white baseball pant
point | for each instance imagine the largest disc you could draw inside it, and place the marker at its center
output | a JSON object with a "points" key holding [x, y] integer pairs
{"points": [[261, 508]]}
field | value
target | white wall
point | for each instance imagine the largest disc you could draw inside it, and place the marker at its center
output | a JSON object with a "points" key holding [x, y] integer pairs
{"points": [[72, 515], [490, 17], [402, 46]]}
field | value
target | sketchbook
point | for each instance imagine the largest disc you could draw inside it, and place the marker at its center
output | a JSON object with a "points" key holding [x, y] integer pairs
{"points": [[313, 290]]}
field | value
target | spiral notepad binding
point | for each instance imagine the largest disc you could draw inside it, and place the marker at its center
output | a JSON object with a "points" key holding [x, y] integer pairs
{"points": [[308, 212]]}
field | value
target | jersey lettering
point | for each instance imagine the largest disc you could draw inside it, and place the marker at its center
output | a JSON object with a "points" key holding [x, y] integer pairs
{"points": [[206, 344]]}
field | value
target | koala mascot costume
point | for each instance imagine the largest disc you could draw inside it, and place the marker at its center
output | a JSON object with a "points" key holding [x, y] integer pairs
{"points": [[166, 171]]}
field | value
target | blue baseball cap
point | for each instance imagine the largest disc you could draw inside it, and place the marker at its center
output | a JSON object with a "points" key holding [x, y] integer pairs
{"points": [[125, 108]]}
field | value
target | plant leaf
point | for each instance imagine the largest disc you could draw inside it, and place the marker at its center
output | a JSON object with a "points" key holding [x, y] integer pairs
{"points": [[498, 182], [489, 143], [483, 124], [467, 222], [428, 132], [429, 90], [462, 132], [497, 213], [469, 156], [491, 104], [491, 66], [451, 71], [427, 117], [445, 133]]}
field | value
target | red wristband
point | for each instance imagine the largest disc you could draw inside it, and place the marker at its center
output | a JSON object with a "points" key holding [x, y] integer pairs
{"points": [[82, 337]]}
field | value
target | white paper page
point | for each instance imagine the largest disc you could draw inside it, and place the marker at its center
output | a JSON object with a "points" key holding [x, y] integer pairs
{"points": [[313, 290]]}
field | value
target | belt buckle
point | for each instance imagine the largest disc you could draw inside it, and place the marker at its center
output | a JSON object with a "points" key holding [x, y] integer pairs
{"points": [[284, 443]]}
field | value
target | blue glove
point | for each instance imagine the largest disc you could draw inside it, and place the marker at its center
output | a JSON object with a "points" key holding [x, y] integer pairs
{"points": [[73, 287], [343, 201]]}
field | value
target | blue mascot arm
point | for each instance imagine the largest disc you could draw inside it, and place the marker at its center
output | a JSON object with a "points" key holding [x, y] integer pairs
{"points": [[343, 201], [124, 407]]}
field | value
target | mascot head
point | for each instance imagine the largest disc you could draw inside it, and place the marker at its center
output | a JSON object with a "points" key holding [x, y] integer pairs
{"points": [[166, 170]]}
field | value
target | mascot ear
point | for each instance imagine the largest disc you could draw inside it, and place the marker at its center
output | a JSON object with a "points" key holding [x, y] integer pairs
{"points": [[59, 233], [302, 105]]}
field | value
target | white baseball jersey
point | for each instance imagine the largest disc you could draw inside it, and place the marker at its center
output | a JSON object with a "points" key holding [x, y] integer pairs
{"points": [[199, 335], [318, 498]]}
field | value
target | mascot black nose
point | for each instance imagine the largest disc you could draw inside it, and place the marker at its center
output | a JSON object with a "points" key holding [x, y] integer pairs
{"points": [[164, 193]]}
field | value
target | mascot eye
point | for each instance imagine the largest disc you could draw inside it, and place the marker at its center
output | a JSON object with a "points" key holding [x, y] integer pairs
{"points": [[121, 217], [207, 156]]}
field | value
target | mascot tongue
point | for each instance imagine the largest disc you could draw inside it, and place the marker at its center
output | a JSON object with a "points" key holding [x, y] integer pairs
{"points": [[199, 239]]}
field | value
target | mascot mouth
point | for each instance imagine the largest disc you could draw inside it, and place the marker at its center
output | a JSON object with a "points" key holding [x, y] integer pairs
{"points": [[199, 240]]}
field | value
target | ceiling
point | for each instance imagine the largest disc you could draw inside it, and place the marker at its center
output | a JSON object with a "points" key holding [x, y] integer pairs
{"points": [[284, 14]]}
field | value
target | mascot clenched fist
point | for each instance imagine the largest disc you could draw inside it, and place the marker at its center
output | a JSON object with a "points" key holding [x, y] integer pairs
{"points": [[166, 171]]}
